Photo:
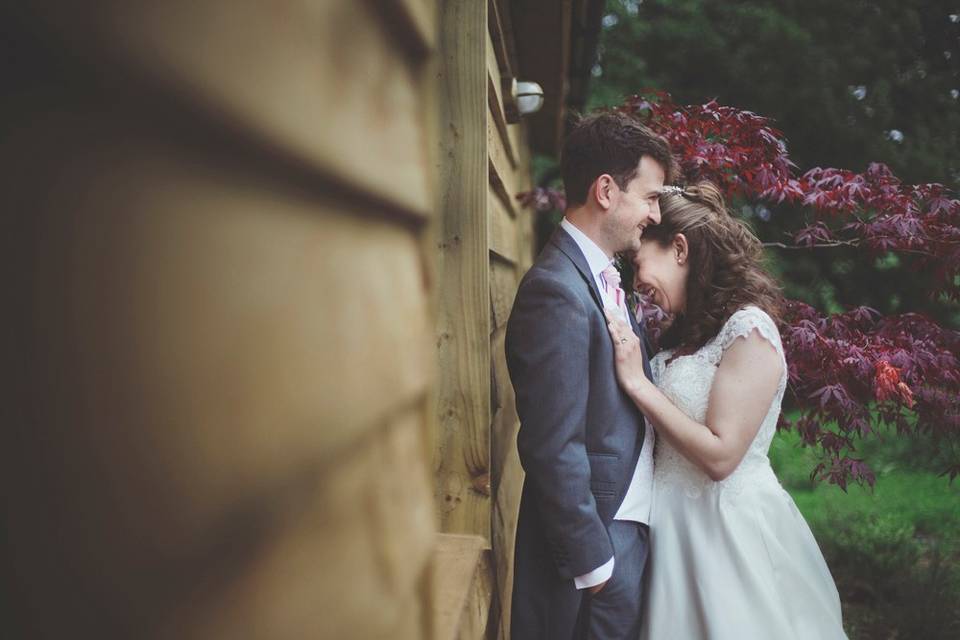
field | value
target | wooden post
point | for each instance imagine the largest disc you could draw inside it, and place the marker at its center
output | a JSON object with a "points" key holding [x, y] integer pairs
{"points": [[462, 452]]}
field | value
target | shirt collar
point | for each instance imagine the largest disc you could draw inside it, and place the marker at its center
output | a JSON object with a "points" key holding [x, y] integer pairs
{"points": [[597, 260]]}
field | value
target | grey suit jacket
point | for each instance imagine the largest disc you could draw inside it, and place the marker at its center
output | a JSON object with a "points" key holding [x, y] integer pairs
{"points": [[580, 435]]}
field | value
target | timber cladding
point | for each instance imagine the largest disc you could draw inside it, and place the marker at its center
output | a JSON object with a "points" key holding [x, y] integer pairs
{"points": [[484, 245], [230, 352], [263, 258]]}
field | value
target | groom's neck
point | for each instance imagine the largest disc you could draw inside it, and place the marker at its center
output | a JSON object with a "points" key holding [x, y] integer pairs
{"points": [[590, 223]]}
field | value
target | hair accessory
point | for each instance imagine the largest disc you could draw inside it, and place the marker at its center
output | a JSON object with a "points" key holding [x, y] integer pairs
{"points": [[672, 190]]}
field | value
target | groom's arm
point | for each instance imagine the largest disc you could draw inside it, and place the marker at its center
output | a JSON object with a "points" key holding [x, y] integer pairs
{"points": [[548, 340]]}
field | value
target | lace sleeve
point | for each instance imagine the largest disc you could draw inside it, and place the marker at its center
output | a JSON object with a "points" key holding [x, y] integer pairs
{"points": [[743, 322]]}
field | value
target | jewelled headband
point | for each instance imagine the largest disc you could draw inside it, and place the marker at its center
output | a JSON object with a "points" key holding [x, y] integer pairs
{"points": [[671, 190]]}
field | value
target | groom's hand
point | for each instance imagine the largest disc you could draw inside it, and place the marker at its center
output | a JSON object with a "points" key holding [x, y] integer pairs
{"points": [[598, 588]]}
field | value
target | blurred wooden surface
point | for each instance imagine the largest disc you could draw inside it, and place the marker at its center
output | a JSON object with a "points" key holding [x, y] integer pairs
{"points": [[225, 414], [262, 257]]}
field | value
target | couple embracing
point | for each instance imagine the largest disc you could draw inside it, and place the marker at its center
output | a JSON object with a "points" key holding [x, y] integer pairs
{"points": [[649, 508]]}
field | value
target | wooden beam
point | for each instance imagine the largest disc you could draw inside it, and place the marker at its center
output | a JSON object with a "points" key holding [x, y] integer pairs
{"points": [[495, 98], [501, 39], [503, 232], [462, 453], [502, 33], [463, 582]]}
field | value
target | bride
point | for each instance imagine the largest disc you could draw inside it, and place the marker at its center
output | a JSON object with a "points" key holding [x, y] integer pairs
{"points": [[731, 556]]}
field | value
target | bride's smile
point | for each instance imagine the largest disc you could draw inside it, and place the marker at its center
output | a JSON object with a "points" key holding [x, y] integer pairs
{"points": [[661, 272]]}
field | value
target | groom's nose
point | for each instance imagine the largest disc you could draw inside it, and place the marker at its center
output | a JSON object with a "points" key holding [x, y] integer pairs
{"points": [[655, 212]]}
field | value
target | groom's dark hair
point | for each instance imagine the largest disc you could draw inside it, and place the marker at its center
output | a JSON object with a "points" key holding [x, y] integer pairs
{"points": [[608, 142]]}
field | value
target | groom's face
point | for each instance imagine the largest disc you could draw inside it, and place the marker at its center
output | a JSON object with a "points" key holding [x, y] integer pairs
{"points": [[637, 206]]}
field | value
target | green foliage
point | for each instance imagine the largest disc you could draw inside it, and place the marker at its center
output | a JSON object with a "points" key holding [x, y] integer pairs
{"points": [[894, 551]]}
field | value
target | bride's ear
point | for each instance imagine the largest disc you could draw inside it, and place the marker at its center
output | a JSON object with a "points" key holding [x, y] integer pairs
{"points": [[681, 248]]}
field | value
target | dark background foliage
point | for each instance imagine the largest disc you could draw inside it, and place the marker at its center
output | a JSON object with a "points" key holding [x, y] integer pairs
{"points": [[848, 83]]}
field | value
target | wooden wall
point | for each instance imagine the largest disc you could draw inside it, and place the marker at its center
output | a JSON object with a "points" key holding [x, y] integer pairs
{"points": [[262, 259], [510, 255], [485, 245], [224, 290]]}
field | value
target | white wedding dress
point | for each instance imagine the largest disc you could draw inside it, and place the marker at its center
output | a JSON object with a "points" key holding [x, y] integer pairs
{"points": [[732, 559]]}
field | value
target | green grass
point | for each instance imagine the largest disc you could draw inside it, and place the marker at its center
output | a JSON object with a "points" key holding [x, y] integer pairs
{"points": [[894, 550]]}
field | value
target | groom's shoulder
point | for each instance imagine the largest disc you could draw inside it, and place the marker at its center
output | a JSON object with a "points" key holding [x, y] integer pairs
{"points": [[551, 269]]}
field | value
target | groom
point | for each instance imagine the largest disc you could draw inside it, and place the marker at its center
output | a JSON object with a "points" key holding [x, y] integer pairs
{"points": [[582, 537]]}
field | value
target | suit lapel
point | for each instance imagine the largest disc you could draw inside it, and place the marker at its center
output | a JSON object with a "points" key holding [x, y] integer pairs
{"points": [[566, 244], [641, 331]]}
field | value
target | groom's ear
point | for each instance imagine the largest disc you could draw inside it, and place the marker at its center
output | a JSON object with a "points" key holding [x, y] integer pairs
{"points": [[604, 191]]}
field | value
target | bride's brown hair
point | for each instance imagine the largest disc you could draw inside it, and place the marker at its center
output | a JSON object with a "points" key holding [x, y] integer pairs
{"points": [[726, 270]]}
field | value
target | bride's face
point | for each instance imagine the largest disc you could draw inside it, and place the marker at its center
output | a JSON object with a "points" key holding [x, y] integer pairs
{"points": [[661, 273]]}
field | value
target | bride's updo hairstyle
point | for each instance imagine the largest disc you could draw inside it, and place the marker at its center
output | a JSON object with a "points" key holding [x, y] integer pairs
{"points": [[725, 258]]}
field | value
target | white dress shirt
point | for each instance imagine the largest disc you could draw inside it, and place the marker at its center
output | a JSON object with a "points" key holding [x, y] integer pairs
{"points": [[636, 503]]}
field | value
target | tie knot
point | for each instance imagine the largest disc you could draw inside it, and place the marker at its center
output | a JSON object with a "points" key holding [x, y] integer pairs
{"points": [[611, 276]]}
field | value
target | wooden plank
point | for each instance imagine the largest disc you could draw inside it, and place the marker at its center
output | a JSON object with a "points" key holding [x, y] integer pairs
{"points": [[501, 30], [518, 140], [233, 401], [323, 82], [495, 99], [526, 240], [502, 231], [230, 311], [463, 447], [503, 289], [505, 422], [413, 21], [507, 480], [463, 580], [504, 179], [474, 623], [505, 511], [364, 535]]}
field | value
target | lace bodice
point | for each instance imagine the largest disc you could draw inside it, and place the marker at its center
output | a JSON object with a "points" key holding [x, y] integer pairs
{"points": [[686, 381]]}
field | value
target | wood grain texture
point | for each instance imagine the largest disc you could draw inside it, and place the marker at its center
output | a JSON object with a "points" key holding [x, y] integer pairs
{"points": [[501, 30], [500, 37], [324, 82], [350, 565], [503, 289], [475, 623], [462, 457], [412, 22], [239, 367], [502, 230], [505, 181], [507, 477], [495, 99], [463, 578]]}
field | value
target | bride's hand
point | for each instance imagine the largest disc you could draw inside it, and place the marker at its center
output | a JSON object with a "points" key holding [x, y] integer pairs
{"points": [[628, 353]]}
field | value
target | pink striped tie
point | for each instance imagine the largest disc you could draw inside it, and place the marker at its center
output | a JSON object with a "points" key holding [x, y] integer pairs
{"points": [[611, 277]]}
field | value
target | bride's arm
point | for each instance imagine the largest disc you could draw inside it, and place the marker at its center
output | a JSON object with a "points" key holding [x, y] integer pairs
{"points": [[743, 388]]}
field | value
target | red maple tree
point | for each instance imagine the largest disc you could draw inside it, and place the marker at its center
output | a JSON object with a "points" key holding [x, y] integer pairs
{"points": [[852, 372]]}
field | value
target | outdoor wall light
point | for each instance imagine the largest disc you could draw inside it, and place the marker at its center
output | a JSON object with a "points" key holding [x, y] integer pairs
{"points": [[524, 98]]}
